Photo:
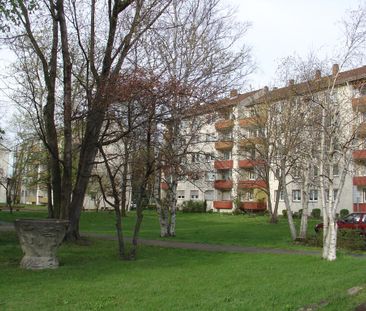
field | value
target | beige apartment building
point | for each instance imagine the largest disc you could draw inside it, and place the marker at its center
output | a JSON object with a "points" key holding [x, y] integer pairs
{"points": [[231, 171]]}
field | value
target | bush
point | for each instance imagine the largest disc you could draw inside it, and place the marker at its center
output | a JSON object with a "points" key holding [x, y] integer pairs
{"points": [[284, 213], [344, 212], [315, 213], [194, 206]]}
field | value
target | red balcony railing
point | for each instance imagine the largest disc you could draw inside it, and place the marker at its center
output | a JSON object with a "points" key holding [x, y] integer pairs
{"points": [[224, 145], [359, 207], [223, 184], [359, 155], [359, 180], [223, 204], [359, 104], [252, 184], [250, 163], [224, 125], [253, 206], [223, 165]]}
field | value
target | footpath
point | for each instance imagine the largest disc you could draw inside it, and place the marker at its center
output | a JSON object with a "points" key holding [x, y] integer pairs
{"points": [[7, 226]]}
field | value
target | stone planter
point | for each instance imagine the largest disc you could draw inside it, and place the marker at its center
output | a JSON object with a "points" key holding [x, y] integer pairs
{"points": [[39, 240]]}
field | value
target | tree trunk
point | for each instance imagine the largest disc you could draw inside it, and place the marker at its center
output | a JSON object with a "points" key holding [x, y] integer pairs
{"points": [[49, 201], [163, 217], [288, 207], [67, 152], [330, 241], [124, 181], [305, 206]]}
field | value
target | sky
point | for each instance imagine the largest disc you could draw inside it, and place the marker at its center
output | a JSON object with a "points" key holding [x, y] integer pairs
{"points": [[279, 28], [282, 28]]}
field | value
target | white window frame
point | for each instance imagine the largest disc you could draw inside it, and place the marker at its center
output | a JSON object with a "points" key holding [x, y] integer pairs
{"points": [[313, 195], [296, 195]]}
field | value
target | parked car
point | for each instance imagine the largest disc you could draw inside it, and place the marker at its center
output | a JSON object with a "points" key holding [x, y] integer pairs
{"points": [[353, 221]]}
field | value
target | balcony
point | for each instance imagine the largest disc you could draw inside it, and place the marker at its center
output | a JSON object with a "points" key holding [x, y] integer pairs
{"points": [[253, 206], [223, 165], [359, 104], [250, 122], [224, 145], [224, 125], [249, 143], [164, 186], [359, 155], [359, 207], [223, 204], [250, 163], [223, 184], [359, 181], [361, 130], [252, 184]]}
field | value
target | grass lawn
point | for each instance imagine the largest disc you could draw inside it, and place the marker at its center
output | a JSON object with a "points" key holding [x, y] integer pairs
{"points": [[92, 278], [191, 227]]}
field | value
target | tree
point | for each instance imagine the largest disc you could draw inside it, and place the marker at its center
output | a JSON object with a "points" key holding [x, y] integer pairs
{"points": [[97, 61], [192, 46]]}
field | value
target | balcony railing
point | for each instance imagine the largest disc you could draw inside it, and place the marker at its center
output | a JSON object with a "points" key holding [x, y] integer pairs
{"points": [[359, 181], [223, 204], [164, 186], [359, 104], [224, 145], [253, 206], [223, 165], [252, 122], [223, 184], [250, 142], [252, 184], [359, 207], [250, 163], [361, 130], [224, 125], [359, 155]]}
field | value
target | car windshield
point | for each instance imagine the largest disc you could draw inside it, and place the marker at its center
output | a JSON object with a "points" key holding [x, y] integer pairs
{"points": [[352, 218]]}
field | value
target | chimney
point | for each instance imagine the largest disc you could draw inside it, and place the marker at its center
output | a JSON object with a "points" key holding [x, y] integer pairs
{"points": [[274, 88], [318, 74], [291, 82], [233, 93], [265, 89], [335, 69]]}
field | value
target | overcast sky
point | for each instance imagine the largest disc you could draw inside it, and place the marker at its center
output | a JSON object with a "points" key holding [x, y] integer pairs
{"points": [[279, 28], [283, 27]]}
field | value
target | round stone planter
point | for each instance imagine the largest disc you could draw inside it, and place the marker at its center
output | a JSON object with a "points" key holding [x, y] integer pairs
{"points": [[39, 240]]}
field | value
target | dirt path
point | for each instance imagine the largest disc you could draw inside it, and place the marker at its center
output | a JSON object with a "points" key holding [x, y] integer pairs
{"points": [[5, 226]]}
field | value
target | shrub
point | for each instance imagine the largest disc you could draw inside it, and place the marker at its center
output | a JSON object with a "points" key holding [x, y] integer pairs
{"points": [[343, 212], [284, 213], [194, 206], [315, 213], [351, 239]]}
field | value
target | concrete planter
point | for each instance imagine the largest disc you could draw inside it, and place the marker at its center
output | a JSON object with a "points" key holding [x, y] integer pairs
{"points": [[39, 240]]}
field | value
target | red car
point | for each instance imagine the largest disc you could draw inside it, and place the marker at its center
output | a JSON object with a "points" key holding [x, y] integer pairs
{"points": [[354, 221]]}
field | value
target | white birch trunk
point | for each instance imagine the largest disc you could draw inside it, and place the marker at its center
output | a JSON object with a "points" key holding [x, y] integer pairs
{"points": [[288, 206]]}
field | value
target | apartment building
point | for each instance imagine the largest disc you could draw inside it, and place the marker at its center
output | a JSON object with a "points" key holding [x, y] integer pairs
{"points": [[233, 177]]}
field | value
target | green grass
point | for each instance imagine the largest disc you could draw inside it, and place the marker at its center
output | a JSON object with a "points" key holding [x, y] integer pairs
{"points": [[92, 278], [214, 228]]}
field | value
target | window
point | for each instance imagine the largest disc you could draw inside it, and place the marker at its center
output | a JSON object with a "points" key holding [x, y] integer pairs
{"points": [[335, 193], [313, 195], [249, 195], [364, 194], [209, 157], [316, 171], [226, 175], [227, 155], [296, 172], [210, 176], [252, 175], [296, 195], [194, 157], [281, 195], [194, 194], [209, 195], [335, 169], [180, 194]]}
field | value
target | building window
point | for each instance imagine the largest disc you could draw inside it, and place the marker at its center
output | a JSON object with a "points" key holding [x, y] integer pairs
{"points": [[313, 195], [180, 194], [209, 157], [281, 195], [227, 155], [249, 195], [210, 176], [252, 175], [364, 194], [296, 195], [209, 195], [335, 169], [316, 171], [194, 194]]}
